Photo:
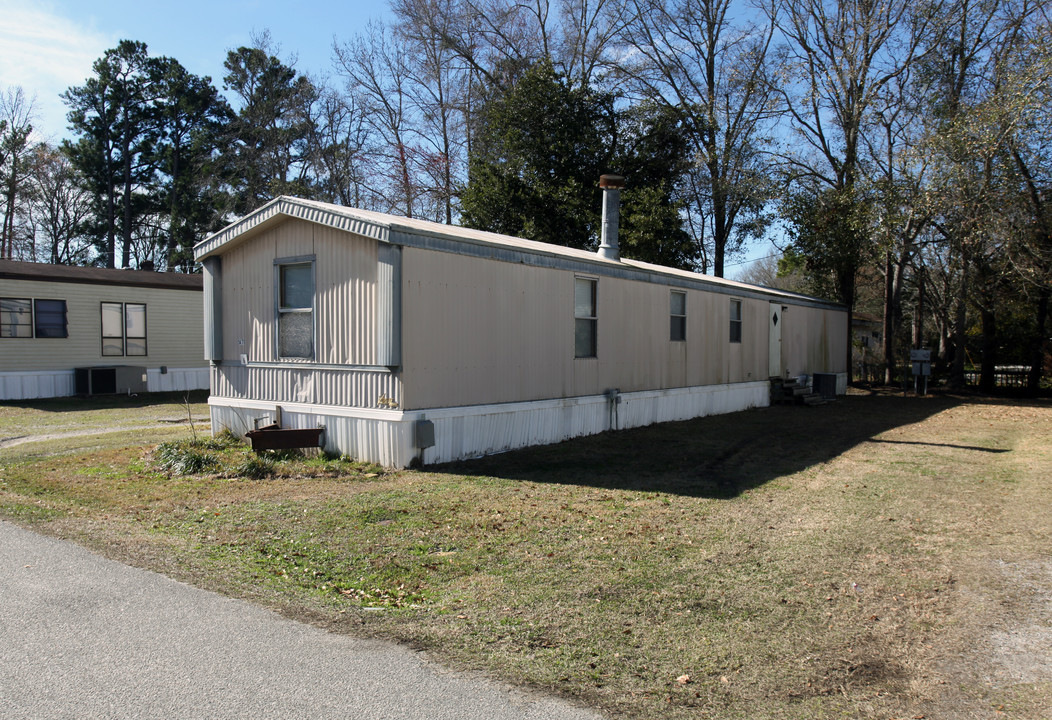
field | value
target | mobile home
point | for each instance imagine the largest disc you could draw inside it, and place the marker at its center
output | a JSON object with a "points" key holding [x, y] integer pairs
{"points": [[66, 329], [410, 340]]}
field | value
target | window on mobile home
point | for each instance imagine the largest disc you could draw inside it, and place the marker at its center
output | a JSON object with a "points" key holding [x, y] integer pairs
{"points": [[16, 318], [49, 319], [296, 310], [736, 321], [123, 329], [585, 320], [677, 316]]}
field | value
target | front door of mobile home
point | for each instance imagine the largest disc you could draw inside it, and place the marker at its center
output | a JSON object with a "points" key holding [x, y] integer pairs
{"points": [[775, 362]]}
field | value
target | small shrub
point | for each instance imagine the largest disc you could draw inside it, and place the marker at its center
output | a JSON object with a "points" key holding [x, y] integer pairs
{"points": [[256, 467], [286, 454], [184, 458], [222, 441]]}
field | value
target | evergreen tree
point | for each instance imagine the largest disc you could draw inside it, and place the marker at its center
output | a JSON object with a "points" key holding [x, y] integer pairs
{"points": [[192, 117], [536, 160], [112, 114], [270, 138]]}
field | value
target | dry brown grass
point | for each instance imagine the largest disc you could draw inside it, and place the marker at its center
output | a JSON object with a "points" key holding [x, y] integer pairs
{"points": [[880, 557]]}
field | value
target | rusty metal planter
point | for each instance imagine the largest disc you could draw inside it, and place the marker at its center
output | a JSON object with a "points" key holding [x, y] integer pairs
{"points": [[273, 437]]}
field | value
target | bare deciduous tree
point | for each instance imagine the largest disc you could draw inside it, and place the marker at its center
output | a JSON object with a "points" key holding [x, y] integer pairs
{"points": [[375, 69], [686, 55], [838, 58], [16, 148], [61, 207]]}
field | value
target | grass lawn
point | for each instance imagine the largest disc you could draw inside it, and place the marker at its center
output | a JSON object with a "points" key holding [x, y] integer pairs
{"points": [[879, 557]]}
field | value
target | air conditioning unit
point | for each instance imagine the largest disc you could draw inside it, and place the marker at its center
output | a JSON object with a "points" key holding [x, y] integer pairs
{"points": [[110, 380], [825, 385]]}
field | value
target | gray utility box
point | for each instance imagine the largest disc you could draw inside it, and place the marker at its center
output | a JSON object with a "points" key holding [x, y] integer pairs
{"points": [[109, 380]]}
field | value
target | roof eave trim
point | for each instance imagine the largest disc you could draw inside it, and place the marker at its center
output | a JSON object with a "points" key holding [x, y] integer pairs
{"points": [[593, 263], [289, 207]]}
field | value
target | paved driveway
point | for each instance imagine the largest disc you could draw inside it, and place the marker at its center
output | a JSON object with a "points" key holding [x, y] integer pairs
{"points": [[85, 637]]}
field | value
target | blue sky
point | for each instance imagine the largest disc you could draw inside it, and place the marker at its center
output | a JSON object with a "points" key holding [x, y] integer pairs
{"points": [[47, 46]]}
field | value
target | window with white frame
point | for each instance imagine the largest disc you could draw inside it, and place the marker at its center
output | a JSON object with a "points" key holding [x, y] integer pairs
{"points": [[585, 319], [677, 316], [16, 318], [736, 321], [32, 318], [295, 309], [123, 329]]}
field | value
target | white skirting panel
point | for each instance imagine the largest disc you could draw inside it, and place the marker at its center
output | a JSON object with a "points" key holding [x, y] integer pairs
{"points": [[385, 437], [388, 437], [177, 379], [482, 430], [61, 383], [30, 385]]}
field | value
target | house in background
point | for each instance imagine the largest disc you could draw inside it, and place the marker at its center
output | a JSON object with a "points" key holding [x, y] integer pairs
{"points": [[411, 340], [867, 347], [66, 329]]}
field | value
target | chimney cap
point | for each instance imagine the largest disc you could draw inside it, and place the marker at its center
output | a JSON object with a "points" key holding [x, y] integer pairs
{"points": [[611, 182]]}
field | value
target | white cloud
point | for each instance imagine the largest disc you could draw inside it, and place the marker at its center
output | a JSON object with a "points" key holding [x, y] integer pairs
{"points": [[46, 53]]}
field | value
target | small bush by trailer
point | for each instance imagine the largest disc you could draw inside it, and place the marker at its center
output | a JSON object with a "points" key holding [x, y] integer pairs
{"points": [[410, 340], [65, 329]]}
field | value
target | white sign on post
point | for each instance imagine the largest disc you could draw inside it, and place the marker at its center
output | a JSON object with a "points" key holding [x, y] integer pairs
{"points": [[921, 360]]}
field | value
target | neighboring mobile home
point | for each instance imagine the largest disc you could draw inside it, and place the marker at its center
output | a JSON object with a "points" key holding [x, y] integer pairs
{"points": [[67, 329], [409, 339]]}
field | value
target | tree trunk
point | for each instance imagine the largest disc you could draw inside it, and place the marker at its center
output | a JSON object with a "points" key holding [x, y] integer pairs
{"points": [[846, 290], [173, 205], [1040, 343], [9, 214], [959, 348], [111, 222], [126, 231], [889, 321], [987, 377], [945, 339], [918, 319]]}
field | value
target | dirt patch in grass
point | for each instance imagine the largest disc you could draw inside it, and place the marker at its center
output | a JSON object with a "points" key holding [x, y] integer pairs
{"points": [[878, 557]]}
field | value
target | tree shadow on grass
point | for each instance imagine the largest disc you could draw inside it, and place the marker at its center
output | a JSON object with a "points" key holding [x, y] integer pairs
{"points": [[720, 456]]}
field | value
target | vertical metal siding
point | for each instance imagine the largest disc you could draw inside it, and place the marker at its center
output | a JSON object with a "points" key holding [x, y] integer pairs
{"points": [[389, 305], [342, 388], [346, 273], [383, 442], [469, 432], [36, 384], [177, 379], [506, 427], [345, 293]]}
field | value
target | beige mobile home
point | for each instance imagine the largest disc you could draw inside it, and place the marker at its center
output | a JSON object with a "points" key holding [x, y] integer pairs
{"points": [[409, 339], [66, 329]]}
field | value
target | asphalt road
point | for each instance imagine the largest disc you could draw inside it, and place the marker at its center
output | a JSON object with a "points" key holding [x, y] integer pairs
{"points": [[85, 637]]}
